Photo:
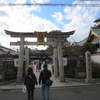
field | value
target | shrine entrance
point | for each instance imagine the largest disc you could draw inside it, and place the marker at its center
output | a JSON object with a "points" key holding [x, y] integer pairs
{"points": [[40, 41], [41, 55]]}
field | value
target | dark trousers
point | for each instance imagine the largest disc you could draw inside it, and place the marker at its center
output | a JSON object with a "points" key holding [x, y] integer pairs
{"points": [[30, 94]]}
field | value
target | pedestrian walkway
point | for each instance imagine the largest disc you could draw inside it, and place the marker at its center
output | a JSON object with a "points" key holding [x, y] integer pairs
{"points": [[56, 83]]}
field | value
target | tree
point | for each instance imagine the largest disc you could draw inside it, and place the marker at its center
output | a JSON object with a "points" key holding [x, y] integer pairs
{"points": [[50, 50], [88, 47], [72, 50], [55, 39], [32, 52]]}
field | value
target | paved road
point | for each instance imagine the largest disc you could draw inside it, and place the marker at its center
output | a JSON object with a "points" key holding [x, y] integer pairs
{"points": [[61, 93]]}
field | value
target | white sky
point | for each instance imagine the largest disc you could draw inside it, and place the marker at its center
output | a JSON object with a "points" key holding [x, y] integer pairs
{"points": [[38, 18]]}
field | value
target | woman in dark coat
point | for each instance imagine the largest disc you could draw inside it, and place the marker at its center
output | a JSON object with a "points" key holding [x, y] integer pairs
{"points": [[30, 81]]}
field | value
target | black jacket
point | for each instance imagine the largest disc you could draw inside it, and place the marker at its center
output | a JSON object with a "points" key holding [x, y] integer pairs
{"points": [[30, 84], [44, 75]]}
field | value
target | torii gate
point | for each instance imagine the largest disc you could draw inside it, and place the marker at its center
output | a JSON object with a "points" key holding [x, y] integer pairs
{"points": [[59, 44]]}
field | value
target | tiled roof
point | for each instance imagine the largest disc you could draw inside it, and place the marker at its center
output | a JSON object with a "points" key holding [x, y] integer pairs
{"points": [[4, 50], [96, 31], [97, 20]]}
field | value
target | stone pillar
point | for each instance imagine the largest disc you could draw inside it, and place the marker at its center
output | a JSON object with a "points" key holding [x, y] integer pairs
{"points": [[60, 61], [88, 68], [55, 63], [27, 59], [20, 66]]}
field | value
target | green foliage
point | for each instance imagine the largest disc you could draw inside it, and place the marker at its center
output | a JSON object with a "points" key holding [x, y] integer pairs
{"points": [[10, 74], [50, 50], [32, 52], [55, 31], [72, 50], [55, 39], [72, 65], [88, 47], [70, 69], [79, 50], [95, 70]]}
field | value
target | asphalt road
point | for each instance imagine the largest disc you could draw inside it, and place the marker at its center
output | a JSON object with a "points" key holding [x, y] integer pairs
{"points": [[61, 93]]}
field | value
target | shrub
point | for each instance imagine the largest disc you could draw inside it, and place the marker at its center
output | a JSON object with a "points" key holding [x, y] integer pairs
{"points": [[95, 70], [10, 74]]}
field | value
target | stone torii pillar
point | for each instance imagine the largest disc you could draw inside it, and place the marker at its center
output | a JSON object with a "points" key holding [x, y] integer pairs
{"points": [[60, 61], [55, 63], [27, 59], [21, 53]]}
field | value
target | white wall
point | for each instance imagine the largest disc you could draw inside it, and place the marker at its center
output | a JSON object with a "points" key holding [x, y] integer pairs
{"points": [[95, 58]]}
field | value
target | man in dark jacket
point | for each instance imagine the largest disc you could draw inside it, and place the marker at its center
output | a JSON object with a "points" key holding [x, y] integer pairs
{"points": [[30, 81], [44, 75]]}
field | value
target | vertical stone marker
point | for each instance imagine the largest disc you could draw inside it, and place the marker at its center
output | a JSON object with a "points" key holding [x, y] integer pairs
{"points": [[60, 59], [20, 66], [88, 68], [27, 59], [55, 63]]}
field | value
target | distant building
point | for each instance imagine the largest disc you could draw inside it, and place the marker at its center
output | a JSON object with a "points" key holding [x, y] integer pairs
{"points": [[94, 34], [4, 50], [41, 55], [93, 37], [7, 57], [80, 43], [97, 23]]}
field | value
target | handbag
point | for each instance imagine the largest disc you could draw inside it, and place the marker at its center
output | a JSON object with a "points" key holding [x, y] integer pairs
{"points": [[24, 89], [48, 81]]}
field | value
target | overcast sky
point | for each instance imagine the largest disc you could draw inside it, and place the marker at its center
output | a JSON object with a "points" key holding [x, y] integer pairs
{"points": [[47, 18]]}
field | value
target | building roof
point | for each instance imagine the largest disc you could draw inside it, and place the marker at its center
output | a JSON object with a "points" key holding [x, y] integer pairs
{"points": [[4, 50], [42, 53], [97, 20], [96, 31], [94, 34]]}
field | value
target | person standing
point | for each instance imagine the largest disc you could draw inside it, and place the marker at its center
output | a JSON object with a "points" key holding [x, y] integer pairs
{"points": [[44, 75], [30, 81], [31, 65], [39, 66]]}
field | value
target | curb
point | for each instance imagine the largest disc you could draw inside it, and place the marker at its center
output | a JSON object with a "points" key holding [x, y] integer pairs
{"points": [[7, 82], [92, 84]]}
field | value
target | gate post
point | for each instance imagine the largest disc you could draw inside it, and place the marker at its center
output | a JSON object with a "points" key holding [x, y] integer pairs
{"points": [[27, 59], [20, 66], [60, 61], [55, 63], [88, 68]]}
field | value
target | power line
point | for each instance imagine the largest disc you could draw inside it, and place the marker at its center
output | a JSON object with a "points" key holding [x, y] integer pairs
{"points": [[58, 5], [87, 0]]}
